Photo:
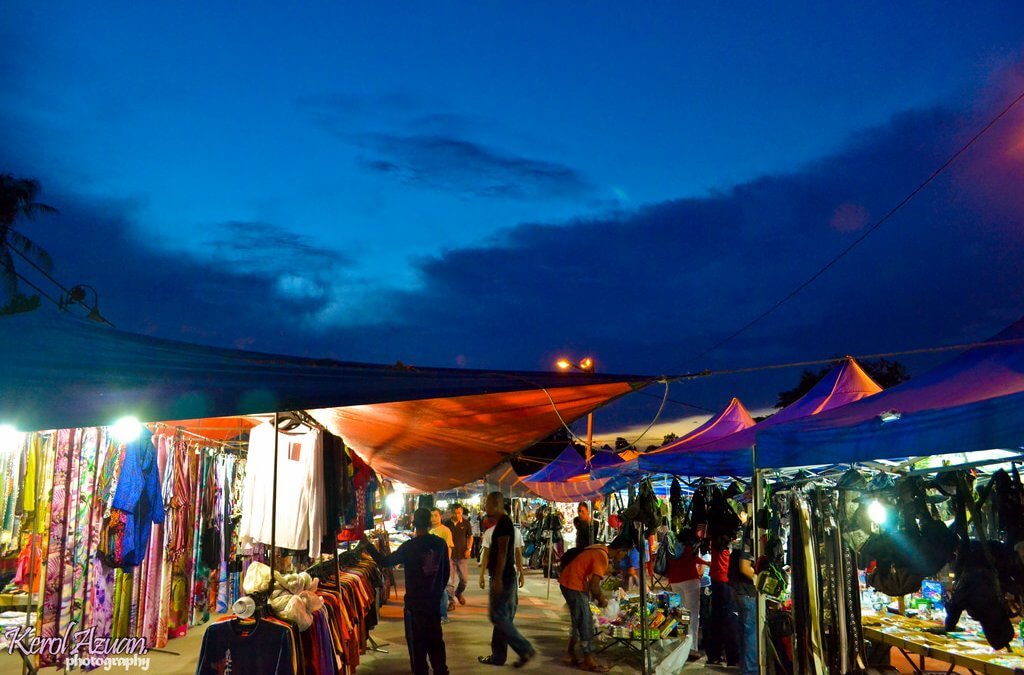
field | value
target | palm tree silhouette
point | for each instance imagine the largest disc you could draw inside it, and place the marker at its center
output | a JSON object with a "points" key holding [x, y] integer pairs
{"points": [[18, 201]]}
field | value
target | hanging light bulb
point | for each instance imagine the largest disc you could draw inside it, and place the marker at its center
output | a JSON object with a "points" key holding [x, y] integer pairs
{"points": [[877, 512], [126, 429]]}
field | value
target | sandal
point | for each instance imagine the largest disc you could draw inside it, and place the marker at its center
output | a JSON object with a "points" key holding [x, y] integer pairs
{"points": [[524, 659], [489, 661], [595, 668], [572, 661]]}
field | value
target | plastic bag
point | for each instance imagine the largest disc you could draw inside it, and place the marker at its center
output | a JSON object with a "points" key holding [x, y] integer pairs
{"points": [[611, 610]]}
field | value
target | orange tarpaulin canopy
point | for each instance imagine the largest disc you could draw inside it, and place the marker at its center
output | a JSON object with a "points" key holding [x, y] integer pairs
{"points": [[214, 428], [441, 443]]}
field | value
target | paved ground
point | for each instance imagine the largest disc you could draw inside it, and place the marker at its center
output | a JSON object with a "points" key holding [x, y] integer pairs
{"points": [[468, 635], [544, 621]]}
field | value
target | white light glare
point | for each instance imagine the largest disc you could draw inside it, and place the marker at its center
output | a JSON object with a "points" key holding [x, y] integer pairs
{"points": [[10, 438], [442, 503], [877, 512], [395, 502], [126, 429], [474, 501]]}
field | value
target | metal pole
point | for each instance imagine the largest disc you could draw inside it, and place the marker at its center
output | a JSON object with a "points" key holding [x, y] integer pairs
{"points": [[762, 618], [590, 437], [273, 514], [644, 651]]}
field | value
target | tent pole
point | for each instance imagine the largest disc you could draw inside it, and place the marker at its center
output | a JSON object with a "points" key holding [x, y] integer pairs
{"points": [[273, 513], [644, 650], [762, 618]]}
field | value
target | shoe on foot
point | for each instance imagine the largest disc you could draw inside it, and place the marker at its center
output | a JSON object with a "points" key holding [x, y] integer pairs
{"points": [[489, 660], [461, 598], [451, 605], [524, 659]]}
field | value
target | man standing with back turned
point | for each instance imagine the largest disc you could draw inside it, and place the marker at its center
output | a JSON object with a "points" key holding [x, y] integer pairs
{"points": [[504, 596], [425, 558]]}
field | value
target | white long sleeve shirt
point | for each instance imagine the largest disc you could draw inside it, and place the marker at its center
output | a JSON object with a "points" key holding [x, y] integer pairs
{"points": [[300, 489]]}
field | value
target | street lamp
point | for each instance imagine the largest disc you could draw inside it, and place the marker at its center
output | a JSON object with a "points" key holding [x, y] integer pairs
{"points": [[586, 365]]}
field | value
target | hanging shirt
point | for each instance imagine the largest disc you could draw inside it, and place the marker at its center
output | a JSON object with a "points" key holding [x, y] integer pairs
{"points": [[232, 647], [139, 497], [300, 490]]}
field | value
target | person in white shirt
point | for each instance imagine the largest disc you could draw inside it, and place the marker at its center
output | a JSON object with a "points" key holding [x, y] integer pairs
{"points": [[485, 545]]}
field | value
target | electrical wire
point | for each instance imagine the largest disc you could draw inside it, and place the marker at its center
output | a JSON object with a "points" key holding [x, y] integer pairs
{"points": [[842, 254], [35, 288], [863, 357], [575, 437], [54, 281], [682, 403]]}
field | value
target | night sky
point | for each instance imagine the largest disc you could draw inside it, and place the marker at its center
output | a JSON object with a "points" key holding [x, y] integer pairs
{"points": [[493, 185]]}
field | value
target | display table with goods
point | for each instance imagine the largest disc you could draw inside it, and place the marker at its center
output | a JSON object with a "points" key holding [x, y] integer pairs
{"points": [[667, 628], [966, 649]]}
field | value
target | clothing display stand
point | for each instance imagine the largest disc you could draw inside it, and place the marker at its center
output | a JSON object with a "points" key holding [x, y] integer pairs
{"points": [[645, 650]]}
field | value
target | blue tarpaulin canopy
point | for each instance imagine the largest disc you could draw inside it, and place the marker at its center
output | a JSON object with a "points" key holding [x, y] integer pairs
{"points": [[567, 465], [973, 402], [734, 417], [732, 455]]}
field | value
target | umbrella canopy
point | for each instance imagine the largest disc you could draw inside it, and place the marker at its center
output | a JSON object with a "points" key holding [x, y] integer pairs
{"points": [[973, 402]]}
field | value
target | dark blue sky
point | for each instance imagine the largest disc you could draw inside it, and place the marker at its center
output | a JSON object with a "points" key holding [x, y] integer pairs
{"points": [[491, 185]]}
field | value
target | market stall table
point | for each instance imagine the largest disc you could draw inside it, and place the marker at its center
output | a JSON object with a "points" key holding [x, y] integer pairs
{"points": [[909, 636]]}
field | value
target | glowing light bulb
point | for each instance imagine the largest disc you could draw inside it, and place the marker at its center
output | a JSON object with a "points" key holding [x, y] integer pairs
{"points": [[10, 438], [126, 429], [395, 502], [877, 512], [563, 364]]}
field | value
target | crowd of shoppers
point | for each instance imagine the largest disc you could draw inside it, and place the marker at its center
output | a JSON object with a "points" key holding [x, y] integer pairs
{"points": [[436, 564]]}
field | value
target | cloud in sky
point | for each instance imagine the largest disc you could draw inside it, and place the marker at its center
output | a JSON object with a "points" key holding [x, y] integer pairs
{"points": [[464, 167], [642, 290], [414, 142]]}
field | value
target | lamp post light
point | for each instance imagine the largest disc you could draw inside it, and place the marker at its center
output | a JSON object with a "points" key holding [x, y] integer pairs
{"points": [[586, 365]]}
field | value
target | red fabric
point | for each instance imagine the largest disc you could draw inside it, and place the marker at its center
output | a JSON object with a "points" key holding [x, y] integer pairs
{"points": [[442, 443], [720, 564], [683, 568]]}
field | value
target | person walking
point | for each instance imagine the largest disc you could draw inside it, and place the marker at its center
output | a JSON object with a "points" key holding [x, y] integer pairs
{"points": [[439, 529], [741, 578], [425, 559], [462, 549], [580, 582], [485, 545], [504, 597]]}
